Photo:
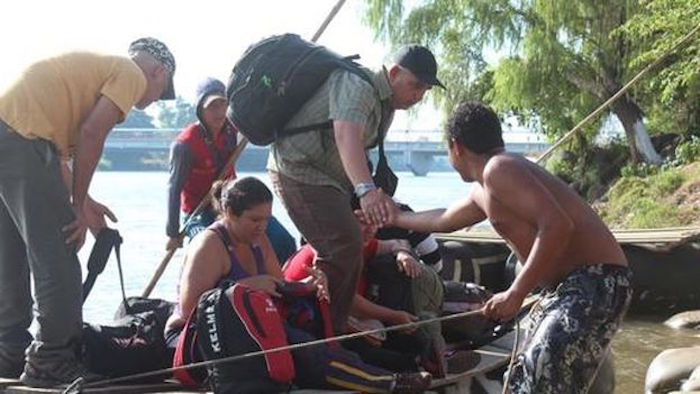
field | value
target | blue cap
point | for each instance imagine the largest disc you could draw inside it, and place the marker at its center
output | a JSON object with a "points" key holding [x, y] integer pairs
{"points": [[208, 90]]}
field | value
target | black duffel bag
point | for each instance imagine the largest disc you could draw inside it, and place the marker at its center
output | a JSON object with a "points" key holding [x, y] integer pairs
{"points": [[131, 345]]}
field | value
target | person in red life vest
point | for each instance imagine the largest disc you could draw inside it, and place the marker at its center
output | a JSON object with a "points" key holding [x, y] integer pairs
{"points": [[236, 249], [197, 156], [421, 292]]}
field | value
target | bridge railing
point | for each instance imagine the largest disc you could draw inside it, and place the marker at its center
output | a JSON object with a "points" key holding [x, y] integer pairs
{"points": [[418, 140]]}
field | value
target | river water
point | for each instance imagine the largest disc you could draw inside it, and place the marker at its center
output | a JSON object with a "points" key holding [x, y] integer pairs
{"points": [[138, 199]]}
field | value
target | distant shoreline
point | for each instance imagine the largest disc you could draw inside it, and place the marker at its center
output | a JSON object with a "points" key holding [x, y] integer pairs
{"points": [[251, 161]]}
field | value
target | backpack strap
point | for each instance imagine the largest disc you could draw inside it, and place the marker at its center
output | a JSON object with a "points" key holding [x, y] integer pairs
{"points": [[106, 240], [127, 307], [347, 63], [384, 176]]}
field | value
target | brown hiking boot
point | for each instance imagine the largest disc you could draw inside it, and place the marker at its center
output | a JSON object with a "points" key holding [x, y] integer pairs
{"points": [[414, 382]]}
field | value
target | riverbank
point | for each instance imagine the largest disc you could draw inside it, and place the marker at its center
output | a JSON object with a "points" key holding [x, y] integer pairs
{"points": [[668, 197], [637, 195]]}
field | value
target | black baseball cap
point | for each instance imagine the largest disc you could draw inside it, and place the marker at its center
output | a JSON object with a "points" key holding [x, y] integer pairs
{"points": [[421, 62]]}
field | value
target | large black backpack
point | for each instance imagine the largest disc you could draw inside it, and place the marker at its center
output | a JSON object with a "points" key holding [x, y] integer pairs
{"points": [[273, 79]]}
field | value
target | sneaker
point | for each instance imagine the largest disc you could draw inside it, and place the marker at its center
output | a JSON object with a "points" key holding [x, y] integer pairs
{"points": [[414, 382], [56, 375]]}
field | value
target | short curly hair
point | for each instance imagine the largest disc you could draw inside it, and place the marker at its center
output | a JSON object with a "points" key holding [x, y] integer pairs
{"points": [[476, 126]]}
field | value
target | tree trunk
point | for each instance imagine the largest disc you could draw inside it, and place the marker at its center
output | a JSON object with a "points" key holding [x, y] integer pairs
{"points": [[641, 148]]}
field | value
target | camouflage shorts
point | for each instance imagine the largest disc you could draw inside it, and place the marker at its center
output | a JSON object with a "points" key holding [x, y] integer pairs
{"points": [[569, 332]]}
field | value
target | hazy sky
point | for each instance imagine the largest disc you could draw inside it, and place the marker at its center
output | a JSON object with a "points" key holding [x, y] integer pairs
{"points": [[206, 36]]}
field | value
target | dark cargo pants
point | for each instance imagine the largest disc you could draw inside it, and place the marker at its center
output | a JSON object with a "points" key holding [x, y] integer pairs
{"points": [[34, 206], [570, 330], [324, 217]]}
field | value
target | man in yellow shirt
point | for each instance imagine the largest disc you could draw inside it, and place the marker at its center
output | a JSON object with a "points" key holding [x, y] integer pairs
{"points": [[60, 109]]}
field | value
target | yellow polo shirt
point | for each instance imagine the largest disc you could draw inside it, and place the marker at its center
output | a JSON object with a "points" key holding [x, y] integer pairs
{"points": [[53, 97]]}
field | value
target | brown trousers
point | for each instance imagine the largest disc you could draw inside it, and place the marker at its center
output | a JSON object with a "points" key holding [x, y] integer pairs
{"points": [[324, 217]]}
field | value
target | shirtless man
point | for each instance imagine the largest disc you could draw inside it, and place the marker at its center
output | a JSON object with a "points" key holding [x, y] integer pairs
{"points": [[565, 247]]}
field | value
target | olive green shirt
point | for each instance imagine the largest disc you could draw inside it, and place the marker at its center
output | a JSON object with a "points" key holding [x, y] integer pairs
{"points": [[312, 157]]}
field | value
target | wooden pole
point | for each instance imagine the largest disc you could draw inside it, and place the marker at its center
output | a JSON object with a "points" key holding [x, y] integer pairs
{"points": [[328, 20], [204, 204], [200, 208]]}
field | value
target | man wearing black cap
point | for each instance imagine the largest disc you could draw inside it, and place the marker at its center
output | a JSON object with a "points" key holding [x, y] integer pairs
{"points": [[59, 109], [316, 173], [566, 249]]}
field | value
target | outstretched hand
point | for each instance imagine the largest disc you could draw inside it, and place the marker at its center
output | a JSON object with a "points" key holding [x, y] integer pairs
{"points": [[503, 306], [95, 214], [391, 213], [377, 208]]}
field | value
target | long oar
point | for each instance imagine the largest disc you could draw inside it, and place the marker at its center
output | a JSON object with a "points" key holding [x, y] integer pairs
{"points": [[204, 204], [234, 156]]}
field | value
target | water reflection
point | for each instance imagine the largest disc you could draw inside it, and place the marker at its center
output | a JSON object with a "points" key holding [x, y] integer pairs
{"points": [[640, 340]]}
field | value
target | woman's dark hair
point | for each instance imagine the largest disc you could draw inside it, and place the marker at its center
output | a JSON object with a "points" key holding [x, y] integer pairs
{"points": [[239, 195], [476, 126]]}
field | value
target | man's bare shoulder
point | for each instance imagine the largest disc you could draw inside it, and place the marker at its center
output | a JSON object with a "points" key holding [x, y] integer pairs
{"points": [[505, 165]]}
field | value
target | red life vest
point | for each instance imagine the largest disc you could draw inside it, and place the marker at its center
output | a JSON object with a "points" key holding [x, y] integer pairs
{"points": [[203, 166]]}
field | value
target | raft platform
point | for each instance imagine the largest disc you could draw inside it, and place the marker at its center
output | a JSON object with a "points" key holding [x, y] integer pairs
{"points": [[658, 239], [13, 386]]}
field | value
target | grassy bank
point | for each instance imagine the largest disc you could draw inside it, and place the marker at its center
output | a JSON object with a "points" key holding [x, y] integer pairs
{"points": [[669, 197], [637, 195]]}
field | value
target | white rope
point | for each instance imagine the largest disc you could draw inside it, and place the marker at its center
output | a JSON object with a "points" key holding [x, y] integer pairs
{"points": [[513, 353], [284, 348]]}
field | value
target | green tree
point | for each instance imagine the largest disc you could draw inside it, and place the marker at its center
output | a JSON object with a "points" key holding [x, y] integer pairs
{"points": [[564, 59], [176, 115], [137, 119], [672, 93]]}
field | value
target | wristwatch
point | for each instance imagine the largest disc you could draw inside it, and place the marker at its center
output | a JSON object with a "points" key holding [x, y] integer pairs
{"points": [[363, 188]]}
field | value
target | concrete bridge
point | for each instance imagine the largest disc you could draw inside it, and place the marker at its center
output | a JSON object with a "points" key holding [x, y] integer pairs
{"points": [[419, 151]]}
